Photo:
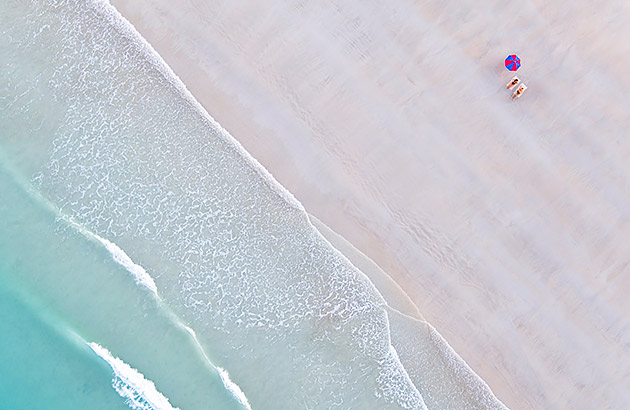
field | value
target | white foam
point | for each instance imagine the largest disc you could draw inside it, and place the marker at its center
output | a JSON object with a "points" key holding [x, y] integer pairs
{"points": [[140, 393], [139, 273], [225, 377], [233, 388], [127, 29]]}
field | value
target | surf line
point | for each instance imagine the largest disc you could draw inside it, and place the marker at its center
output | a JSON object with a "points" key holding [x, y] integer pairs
{"points": [[120, 256], [139, 274], [225, 377], [139, 393], [143, 278]]}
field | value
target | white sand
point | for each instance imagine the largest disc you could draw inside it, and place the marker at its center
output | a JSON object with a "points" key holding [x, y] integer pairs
{"points": [[507, 223]]}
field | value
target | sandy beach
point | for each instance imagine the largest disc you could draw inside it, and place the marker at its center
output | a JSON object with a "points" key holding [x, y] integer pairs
{"points": [[506, 223]]}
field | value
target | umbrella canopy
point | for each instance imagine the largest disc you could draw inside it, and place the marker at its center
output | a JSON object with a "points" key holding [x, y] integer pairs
{"points": [[512, 62]]}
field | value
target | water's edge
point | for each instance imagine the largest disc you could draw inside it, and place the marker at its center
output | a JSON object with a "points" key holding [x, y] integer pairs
{"points": [[409, 328], [224, 251]]}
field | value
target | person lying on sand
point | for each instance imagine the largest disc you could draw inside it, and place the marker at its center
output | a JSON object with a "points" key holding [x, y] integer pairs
{"points": [[521, 89], [515, 80]]}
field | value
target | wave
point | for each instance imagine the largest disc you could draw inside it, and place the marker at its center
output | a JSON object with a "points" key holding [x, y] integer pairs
{"points": [[225, 377], [139, 273], [233, 388], [141, 277], [138, 392]]}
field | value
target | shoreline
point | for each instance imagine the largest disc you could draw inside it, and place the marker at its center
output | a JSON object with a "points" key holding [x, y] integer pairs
{"points": [[518, 261], [435, 366], [432, 364], [389, 289]]}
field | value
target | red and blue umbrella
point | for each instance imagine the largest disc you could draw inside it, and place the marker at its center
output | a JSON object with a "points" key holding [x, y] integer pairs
{"points": [[512, 62]]}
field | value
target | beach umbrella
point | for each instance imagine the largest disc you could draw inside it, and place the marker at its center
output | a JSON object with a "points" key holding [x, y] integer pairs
{"points": [[512, 62]]}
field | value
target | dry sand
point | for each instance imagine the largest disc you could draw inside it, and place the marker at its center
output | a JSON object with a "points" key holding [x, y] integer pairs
{"points": [[507, 223]]}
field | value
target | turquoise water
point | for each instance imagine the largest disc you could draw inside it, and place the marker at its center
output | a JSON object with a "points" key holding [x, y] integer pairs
{"points": [[43, 368], [148, 262], [61, 290]]}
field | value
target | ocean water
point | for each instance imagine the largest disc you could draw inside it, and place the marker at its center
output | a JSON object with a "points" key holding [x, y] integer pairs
{"points": [[148, 262], [29, 343], [62, 290]]}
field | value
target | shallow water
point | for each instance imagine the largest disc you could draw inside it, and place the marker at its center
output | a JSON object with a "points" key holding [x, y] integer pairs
{"points": [[63, 291], [42, 368]]}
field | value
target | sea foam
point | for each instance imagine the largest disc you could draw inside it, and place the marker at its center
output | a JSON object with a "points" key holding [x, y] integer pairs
{"points": [[138, 392], [139, 273], [233, 388], [225, 377]]}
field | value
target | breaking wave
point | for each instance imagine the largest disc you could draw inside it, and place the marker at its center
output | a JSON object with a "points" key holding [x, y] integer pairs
{"points": [[139, 273], [233, 388], [225, 377], [138, 392]]}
